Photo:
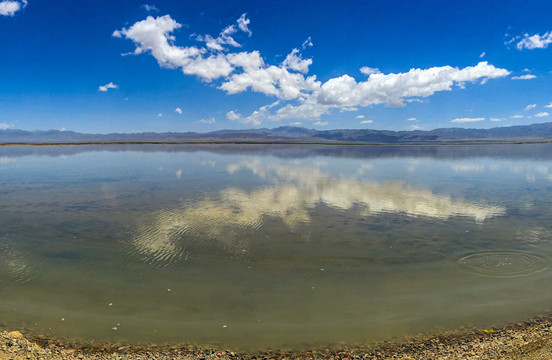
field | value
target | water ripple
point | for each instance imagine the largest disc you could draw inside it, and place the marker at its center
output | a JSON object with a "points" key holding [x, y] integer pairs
{"points": [[504, 263]]}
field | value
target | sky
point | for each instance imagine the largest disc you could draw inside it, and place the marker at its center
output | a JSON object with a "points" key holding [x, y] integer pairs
{"points": [[178, 65]]}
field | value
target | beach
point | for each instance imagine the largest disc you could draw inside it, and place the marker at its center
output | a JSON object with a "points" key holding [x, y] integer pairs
{"points": [[530, 339]]}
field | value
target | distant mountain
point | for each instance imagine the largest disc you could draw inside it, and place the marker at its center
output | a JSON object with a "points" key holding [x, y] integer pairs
{"points": [[291, 134]]}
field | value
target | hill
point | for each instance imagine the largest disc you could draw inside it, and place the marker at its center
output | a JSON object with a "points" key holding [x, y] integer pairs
{"points": [[535, 132]]}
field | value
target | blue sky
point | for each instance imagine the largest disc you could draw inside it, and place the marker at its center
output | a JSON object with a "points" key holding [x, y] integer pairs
{"points": [[131, 66]]}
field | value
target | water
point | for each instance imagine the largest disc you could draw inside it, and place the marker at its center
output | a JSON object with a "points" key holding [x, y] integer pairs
{"points": [[272, 246]]}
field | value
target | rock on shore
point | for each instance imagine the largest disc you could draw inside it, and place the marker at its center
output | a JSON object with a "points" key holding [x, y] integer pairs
{"points": [[529, 340]]}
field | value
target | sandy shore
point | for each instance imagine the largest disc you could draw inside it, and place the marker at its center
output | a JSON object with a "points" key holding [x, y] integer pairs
{"points": [[531, 339]]}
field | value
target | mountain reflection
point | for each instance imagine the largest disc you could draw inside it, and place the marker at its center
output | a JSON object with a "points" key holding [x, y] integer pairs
{"points": [[295, 193]]}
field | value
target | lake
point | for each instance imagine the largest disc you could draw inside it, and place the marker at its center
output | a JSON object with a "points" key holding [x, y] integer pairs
{"points": [[281, 246]]}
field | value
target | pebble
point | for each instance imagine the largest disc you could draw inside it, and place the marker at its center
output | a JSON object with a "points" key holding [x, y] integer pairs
{"points": [[528, 340]]}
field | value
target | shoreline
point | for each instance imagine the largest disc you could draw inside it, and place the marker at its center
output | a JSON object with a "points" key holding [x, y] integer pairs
{"points": [[530, 339], [245, 142]]}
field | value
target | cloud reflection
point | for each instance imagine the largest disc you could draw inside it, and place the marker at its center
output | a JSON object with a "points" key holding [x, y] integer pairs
{"points": [[296, 192]]}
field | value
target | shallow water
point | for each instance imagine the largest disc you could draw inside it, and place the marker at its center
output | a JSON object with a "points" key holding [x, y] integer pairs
{"points": [[272, 246]]}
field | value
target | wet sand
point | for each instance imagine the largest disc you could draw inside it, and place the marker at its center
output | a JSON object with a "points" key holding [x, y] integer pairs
{"points": [[531, 339]]}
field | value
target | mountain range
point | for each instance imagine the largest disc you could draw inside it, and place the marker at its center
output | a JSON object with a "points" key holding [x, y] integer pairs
{"points": [[290, 134]]}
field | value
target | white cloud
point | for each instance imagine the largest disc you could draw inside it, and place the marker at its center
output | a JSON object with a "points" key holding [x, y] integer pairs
{"points": [[232, 115], [369, 71], [297, 123], [160, 115], [524, 77], [467, 120], [412, 119], [542, 114], [549, 105], [535, 41], [150, 8], [178, 110], [106, 87], [307, 43], [390, 89], [493, 119], [345, 109], [367, 121], [271, 80], [530, 106], [256, 118], [306, 97], [360, 117], [153, 35], [516, 116], [9, 8], [296, 62], [243, 23], [321, 123], [468, 167], [208, 121], [482, 55], [179, 173], [6, 126], [415, 127], [224, 38]]}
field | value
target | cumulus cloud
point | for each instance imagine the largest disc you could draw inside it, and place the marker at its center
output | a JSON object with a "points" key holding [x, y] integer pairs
{"points": [[530, 106], [305, 96], [412, 119], [6, 126], [367, 121], [517, 116], [106, 87], [542, 114], [207, 121], [320, 123], [360, 117], [467, 120], [369, 71], [493, 119], [548, 106], [294, 61], [256, 117], [232, 115], [535, 41], [9, 8], [178, 110], [389, 89], [524, 77]]}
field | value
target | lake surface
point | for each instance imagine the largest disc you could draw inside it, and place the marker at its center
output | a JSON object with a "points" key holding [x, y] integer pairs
{"points": [[272, 246]]}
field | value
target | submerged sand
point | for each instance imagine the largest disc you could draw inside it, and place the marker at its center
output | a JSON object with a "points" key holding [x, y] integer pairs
{"points": [[531, 339]]}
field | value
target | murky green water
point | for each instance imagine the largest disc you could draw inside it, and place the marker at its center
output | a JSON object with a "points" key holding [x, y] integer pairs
{"points": [[272, 246]]}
